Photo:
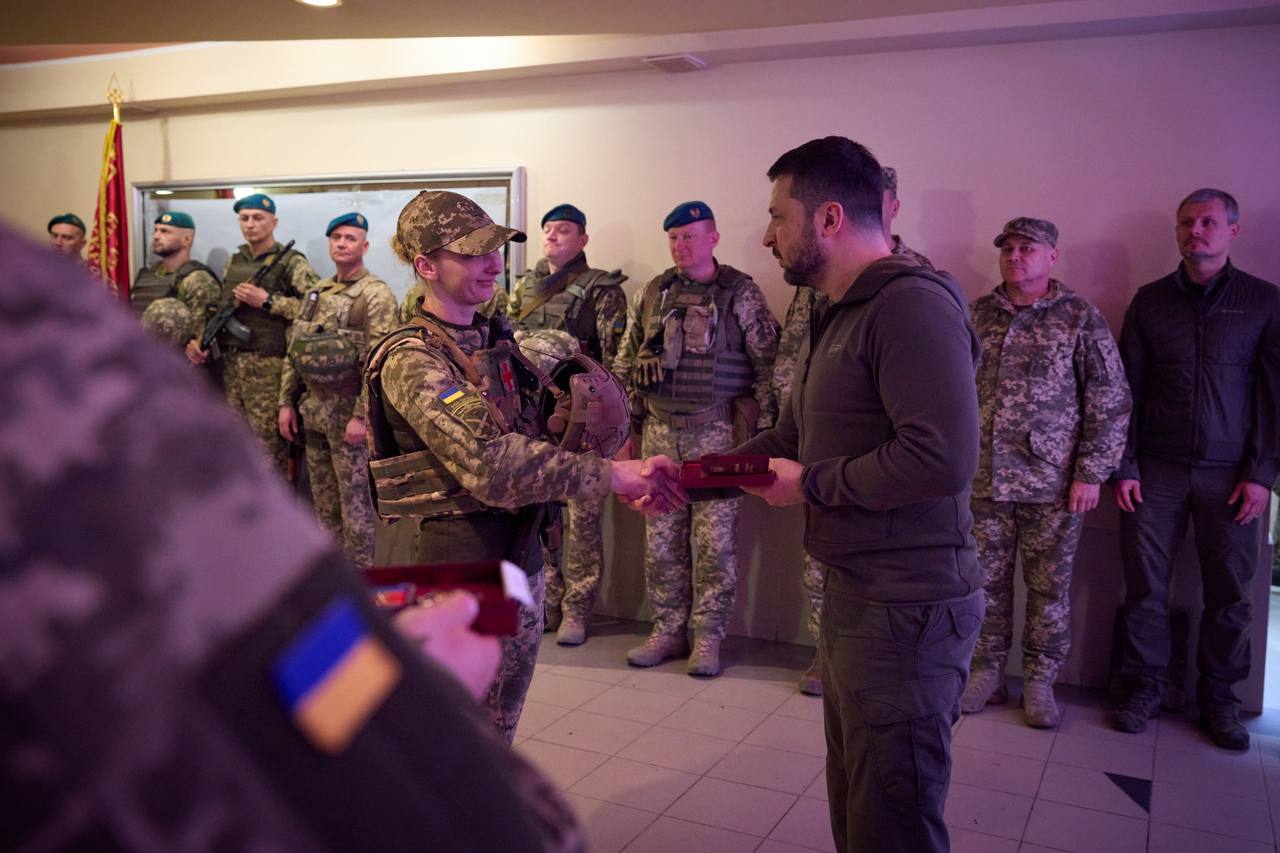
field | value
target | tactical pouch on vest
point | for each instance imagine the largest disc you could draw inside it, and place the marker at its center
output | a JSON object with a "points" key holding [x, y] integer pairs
{"points": [[413, 484], [329, 362], [672, 340], [699, 328]]}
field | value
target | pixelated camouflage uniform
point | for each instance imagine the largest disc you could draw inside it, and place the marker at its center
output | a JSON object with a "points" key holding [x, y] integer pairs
{"points": [[430, 407], [597, 313], [137, 669], [795, 333], [696, 588], [1054, 407], [363, 310], [196, 293], [251, 376]]}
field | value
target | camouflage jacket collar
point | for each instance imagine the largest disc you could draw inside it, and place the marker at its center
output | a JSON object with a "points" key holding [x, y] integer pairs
{"points": [[361, 275], [247, 253], [1057, 292], [542, 269]]}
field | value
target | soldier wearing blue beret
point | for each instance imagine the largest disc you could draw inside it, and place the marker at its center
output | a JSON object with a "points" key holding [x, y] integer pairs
{"points": [[66, 235], [251, 368], [697, 358], [320, 381], [565, 293], [178, 293]]}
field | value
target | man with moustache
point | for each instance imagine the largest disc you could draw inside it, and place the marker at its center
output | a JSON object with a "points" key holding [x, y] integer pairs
{"points": [[251, 369], [700, 340], [562, 292], [341, 318], [1201, 348], [176, 295], [879, 441], [1054, 406], [795, 331]]}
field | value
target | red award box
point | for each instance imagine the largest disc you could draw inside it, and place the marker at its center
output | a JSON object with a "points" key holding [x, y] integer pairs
{"points": [[723, 471], [500, 586]]}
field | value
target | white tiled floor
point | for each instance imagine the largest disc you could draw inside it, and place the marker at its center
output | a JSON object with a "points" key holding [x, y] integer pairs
{"points": [[654, 760]]}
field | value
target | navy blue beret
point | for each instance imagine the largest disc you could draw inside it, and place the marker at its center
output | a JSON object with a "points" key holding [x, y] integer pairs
{"points": [[564, 213], [687, 213]]}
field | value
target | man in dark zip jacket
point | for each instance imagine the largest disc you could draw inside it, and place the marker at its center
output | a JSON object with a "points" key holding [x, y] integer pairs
{"points": [[879, 441], [1201, 349]]}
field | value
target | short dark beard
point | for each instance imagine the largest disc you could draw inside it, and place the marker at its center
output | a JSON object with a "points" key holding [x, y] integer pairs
{"points": [[809, 262]]}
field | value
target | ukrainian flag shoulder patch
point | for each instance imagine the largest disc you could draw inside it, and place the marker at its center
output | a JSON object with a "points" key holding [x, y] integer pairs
{"points": [[334, 676], [451, 395]]}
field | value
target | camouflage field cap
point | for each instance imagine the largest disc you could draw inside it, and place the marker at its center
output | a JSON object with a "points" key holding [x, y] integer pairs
{"points": [[436, 219], [890, 176], [1039, 230]]}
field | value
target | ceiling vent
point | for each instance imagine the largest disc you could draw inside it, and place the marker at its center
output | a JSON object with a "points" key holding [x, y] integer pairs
{"points": [[675, 63]]}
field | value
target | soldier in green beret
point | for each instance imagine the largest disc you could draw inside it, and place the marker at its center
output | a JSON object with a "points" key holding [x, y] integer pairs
{"points": [[174, 296], [328, 344], [66, 235], [251, 369]]}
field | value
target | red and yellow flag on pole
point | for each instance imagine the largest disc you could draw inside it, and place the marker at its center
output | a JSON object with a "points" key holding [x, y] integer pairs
{"points": [[109, 240]]}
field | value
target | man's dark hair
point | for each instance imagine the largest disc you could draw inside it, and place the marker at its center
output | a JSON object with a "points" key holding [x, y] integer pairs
{"points": [[1207, 194], [835, 169]]}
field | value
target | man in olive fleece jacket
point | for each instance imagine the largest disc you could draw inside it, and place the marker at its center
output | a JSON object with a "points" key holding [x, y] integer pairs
{"points": [[879, 441]]}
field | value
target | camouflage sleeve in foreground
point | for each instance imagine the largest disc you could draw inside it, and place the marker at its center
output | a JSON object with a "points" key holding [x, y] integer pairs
{"points": [[496, 306], [516, 296], [611, 319], [290, 380], [760, 338], [632, 338], [1106, 403], [380, 318], [201, 293], [499, 470]]}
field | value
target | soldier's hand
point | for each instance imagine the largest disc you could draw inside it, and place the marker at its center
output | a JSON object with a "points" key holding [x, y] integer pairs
{"points": [[650, 486], [249, 294], [786, 488], [195, 355], [1253, 500], [1128, 494], [441, 628], [288, 422], [355, 432], [1083, 496]]}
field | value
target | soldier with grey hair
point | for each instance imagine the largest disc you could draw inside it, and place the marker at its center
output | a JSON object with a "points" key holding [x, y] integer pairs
{"points": [[1053, 406], [455, 443], [1201, 349], [171, 677]]}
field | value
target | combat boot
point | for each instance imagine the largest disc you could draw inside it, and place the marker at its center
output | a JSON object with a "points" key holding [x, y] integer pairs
{"points": [[1142, 704], [1225, 729], [984, 687], [705, 659], [1038, 705], [811, 682], [572, 632], [657, 648]]}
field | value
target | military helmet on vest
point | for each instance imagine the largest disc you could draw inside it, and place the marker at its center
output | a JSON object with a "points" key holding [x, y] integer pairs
{"points": [[170, 319], [594, 416]]}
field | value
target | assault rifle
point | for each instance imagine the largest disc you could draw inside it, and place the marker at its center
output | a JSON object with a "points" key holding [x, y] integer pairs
{"points": [[224, 317]]}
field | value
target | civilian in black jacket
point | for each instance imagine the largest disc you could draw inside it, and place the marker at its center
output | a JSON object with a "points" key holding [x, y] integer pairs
{"points": [[1201, 349], [879, 441]]}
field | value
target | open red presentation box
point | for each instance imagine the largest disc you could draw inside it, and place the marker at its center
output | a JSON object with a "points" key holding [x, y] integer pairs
{"points": [[500, 586]]}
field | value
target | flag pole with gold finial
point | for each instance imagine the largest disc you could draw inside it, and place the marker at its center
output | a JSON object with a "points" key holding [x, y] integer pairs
{"points": [[109, 243]]}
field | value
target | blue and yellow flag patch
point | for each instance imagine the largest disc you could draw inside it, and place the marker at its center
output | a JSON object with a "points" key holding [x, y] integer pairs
{"points": [[334, 676], [451, 395]]}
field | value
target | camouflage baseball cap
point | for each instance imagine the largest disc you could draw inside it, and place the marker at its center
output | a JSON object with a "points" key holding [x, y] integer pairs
{"points": [[890, 176], [1039, 230], [443, 220]]}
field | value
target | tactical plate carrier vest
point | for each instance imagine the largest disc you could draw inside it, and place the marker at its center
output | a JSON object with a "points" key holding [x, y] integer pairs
{"points": [[150, 285], [268, 331]]}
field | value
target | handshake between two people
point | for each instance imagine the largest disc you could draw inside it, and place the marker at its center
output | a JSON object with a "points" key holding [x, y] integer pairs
{"points": [[652, 486]]}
